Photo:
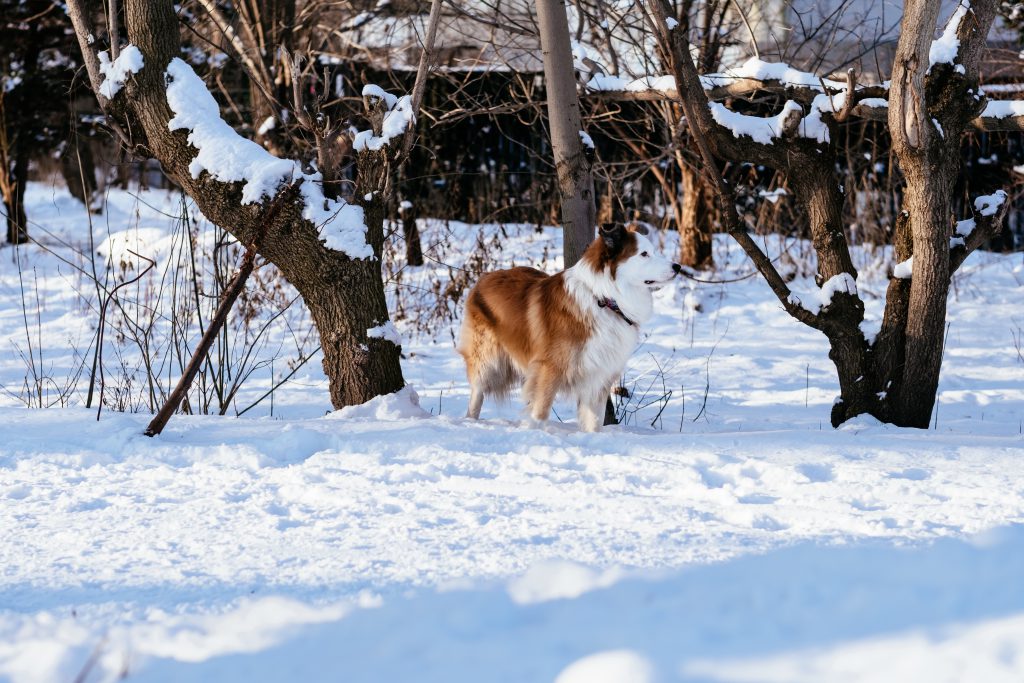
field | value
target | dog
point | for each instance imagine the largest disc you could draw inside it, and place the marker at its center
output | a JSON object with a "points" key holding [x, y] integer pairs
{"points": [[570, 333]]}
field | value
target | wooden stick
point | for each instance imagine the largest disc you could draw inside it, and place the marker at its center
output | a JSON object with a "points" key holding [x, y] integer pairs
{"points": [[228, 298]]}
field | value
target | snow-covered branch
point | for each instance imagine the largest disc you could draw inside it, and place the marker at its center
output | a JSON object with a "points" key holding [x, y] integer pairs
{"points": [[869, 101]]}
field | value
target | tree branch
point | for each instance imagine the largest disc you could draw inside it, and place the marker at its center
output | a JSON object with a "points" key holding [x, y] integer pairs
{"points": [[702, 127]]}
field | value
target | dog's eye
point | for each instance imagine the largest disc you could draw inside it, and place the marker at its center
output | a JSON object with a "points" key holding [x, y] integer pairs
{"points": [[644, 254]]}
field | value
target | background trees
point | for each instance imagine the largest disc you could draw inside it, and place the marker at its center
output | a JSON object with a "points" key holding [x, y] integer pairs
{"points": [[934, 97], [289, 76]]}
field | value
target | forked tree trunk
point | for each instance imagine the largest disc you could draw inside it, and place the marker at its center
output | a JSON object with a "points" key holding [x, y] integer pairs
{"points": [[345, 296], [895, 378], [930, 106]]}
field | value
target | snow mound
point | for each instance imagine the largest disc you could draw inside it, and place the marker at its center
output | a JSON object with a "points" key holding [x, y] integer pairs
{"points": [[557, 580], [613, 666], [404, 404]]}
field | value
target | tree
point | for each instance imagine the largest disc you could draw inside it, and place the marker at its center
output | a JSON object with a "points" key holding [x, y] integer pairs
{"points": [[328, 250], [575, 181], [933, 99], [35, 91]]}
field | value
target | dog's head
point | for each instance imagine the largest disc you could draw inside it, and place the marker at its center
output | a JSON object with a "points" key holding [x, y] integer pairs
{"points": [[630, 256]]}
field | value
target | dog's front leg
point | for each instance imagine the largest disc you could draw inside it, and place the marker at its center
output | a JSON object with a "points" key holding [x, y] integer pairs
{"points": [[590, 410], [540, 389]]}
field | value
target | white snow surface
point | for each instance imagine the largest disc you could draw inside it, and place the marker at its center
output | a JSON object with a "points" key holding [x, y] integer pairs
{"points": [[760, 129], [115, 73], [1001, 109], [741, 539]]}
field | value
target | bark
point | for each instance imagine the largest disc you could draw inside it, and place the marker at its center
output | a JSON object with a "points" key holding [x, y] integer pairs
{"points": [[695, 234], [411, 234], [575, 181], [345, 296], [78, 168], [17, 220], [930, 106]]}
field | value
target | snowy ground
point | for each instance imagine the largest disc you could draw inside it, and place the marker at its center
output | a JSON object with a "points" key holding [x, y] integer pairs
{"points": [[740, 539]]}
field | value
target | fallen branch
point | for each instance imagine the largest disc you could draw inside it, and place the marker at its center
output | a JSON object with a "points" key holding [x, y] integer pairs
{"points": [[227, 301]]}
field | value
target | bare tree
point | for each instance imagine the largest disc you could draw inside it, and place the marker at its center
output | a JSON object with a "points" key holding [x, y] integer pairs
{"points": [[575, 182], [341, 283], [931, 103]]}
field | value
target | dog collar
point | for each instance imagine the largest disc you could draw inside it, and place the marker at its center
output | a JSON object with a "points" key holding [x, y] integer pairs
{"points": [[606, 302]]}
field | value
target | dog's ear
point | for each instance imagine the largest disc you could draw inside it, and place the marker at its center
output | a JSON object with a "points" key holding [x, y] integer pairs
{"points": [[612, 234], [638, 228]]}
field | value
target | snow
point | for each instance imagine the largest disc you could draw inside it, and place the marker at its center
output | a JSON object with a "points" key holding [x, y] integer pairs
{"points": [[268, 125], [945, 48], [779, 71], [223, 153], [605, 82], [397, 119], [773, 196], [116, 73], [397, 541], [843, 283], [874, 103], [671, 23], [988, 204], [229, 157], [587, 141], [760, 129], [1001, 109], [904, 270], [385, 331]]}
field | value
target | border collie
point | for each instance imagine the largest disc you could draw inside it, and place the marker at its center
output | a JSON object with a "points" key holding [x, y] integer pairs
{"points": [[570, 333]]}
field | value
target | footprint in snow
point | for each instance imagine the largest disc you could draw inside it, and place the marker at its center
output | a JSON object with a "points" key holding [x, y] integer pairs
{"points": [[817, 474], [713, 479], [912, 473]]}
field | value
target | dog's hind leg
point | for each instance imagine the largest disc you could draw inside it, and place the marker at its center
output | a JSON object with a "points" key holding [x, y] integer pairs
{"points": [[476, 401], [540, 390]]}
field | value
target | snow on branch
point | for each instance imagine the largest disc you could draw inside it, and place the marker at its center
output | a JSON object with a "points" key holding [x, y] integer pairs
{"points": [[989, 204], [387, 331], [115, 73], [971, 233], [398, 117], [843, 283], [760, 129], [945, 48], [822, 95], [229, 157]]}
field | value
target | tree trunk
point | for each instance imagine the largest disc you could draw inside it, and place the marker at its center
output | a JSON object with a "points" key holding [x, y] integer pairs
{"points": [[694, 222], [345, 296], [17, 220], [575, 182], [78, 169], [411, 234], [930, 106]]}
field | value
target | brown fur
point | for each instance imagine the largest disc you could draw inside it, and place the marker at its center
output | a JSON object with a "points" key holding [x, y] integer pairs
{"points": [[522, 322]]}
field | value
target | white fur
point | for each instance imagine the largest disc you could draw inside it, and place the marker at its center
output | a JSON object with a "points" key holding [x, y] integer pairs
{"points": [[601, 361]]}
